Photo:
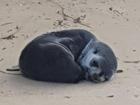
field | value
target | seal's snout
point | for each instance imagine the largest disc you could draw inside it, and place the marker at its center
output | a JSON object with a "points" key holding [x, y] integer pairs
{"points": [[98, 71]]}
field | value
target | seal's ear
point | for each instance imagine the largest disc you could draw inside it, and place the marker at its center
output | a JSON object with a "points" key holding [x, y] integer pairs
{"points": [[49, 62]]}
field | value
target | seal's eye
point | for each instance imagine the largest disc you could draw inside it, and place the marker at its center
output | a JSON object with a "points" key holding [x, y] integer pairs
{"points": [[94, 64], [95, 51]]}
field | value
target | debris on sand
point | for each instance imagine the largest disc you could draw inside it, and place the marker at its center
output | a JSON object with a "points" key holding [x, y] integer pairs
{"points": [[10, 37], [1, 59], [68, 97], [110, 8], [4, 48], [6, 23], [13, 68], [67, 16], [138, 61], [10, 73], [110, 96], [134, 50], [136, 96], [119, 71]]}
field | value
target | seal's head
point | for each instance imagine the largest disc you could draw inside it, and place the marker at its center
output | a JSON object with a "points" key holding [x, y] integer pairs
{"points": [[98, 61]]}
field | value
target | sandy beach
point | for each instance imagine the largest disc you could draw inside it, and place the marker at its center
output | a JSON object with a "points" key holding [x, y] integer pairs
{"points": [[116, 22]]}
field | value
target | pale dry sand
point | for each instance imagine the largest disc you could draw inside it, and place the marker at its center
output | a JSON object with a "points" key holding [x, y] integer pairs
{"points": [[117, 22]]}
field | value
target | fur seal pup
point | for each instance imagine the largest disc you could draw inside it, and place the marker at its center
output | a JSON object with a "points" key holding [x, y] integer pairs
{"points": [[67, 56]]}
